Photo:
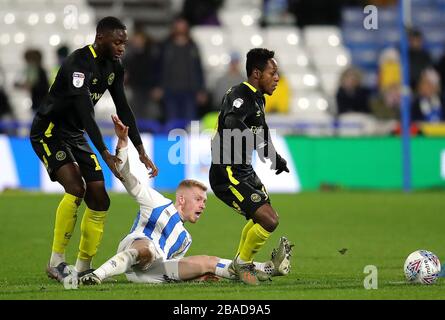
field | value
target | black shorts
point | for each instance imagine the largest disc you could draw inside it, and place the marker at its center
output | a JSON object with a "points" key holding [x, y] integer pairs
{"points": [[54, 153], [244, 195]]}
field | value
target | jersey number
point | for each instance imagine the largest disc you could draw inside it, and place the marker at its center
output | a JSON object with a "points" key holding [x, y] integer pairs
{"points": [[93, 156]]}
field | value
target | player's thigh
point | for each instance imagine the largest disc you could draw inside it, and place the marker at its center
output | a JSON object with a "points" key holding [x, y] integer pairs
{"points": [[53, 153], [246, 197], [88, 162], [160, 271], [147, 252]]}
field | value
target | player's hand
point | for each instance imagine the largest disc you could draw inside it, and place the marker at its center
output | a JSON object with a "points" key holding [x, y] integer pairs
{"points": [[120, 129], [279, 164], [151, 167], [112, 162]]}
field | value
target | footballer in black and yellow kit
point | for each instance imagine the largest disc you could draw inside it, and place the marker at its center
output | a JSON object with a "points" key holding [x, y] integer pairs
{"points": [[242, 128], [57, 136]]}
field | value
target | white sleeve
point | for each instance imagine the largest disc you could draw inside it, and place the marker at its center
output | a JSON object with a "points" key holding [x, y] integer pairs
{"points": [[144, 195]]}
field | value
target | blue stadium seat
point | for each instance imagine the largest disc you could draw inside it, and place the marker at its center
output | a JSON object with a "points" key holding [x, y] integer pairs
{"points": [[175, 124], [352, 16], [359, 37], [365, 58]]}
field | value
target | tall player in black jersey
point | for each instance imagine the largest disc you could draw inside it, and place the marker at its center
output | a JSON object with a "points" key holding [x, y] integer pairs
{"points": [[57, 137], [242, 129]]}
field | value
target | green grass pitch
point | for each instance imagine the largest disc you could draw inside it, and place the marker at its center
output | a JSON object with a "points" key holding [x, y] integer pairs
{"points": [[376, 228]]}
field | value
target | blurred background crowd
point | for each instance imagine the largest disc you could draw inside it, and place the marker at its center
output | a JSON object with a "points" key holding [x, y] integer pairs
{"points": [[337, 77]]}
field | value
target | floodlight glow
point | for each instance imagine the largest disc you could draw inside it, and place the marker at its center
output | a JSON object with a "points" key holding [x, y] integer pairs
{"points": [[19, 37], [54, 40], [50, 18], [9, 18], [292, 39], [33, 19], [303, 103], [256, 40]]}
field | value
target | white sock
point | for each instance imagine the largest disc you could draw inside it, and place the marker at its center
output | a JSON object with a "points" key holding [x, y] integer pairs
{"points": [[56, 259], [240, 261], [82, 265], [222, 269], [266, 267], [120, 263]]}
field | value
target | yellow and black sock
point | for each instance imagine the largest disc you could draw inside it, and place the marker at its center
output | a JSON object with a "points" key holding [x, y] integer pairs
{"points": [[246, 229], [255, 239], [66, 217], [92, 229]]}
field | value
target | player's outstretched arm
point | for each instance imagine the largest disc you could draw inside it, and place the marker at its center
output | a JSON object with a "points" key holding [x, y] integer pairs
{"points": [[85, 110], [126, 115], [142, 194]]}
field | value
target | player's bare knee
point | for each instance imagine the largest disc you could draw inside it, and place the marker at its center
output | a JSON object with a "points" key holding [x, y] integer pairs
{"points": [[146, 253], [77, 189], [99, 201]]}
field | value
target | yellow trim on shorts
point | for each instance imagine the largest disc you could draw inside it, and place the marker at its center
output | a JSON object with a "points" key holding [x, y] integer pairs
{"points": [[45, 162], [48, 133], [236, 193], [231, 177]]}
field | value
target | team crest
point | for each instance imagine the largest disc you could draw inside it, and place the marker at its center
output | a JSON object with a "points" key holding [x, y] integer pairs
{"points": [[238, 103], [78, 78], [255, 197], [111, 79], [60, 155]]}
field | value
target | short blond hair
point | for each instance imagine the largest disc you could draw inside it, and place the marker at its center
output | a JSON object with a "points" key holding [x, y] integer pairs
{"points": [[189, 183]]}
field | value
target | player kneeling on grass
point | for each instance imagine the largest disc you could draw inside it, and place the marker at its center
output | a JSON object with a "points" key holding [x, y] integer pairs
{"points": [[154, 250]]}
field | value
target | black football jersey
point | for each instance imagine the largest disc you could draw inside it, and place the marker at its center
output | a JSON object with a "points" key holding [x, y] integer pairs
{"points": [[248, 104]]}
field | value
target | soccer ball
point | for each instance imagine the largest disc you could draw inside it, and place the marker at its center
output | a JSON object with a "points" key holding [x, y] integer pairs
{"points": [[422, 266]]}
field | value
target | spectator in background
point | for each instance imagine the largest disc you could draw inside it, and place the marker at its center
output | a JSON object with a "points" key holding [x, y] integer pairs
{"points": [[279, 101], [62, 52], [352, 96], [427, 105], [277, 12], [5, 107], [180, 75], [440, 67], [389, 70], [419, 58], [201, 12], [35, 78], [386, 104], [139, 77], [232, 77]]}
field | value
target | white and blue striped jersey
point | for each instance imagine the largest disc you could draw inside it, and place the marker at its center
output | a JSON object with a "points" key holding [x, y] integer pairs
{"points": [[157, 218]]}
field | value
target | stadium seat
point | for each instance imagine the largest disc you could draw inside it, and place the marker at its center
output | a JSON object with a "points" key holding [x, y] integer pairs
{"points": [[294, 59], [302, 81], [237, 19], [237, 4], [330, 59], [282, 37], [352, 16], [365, 57], [322, 36], [244, 39], [329, 83], [358, 37]]}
